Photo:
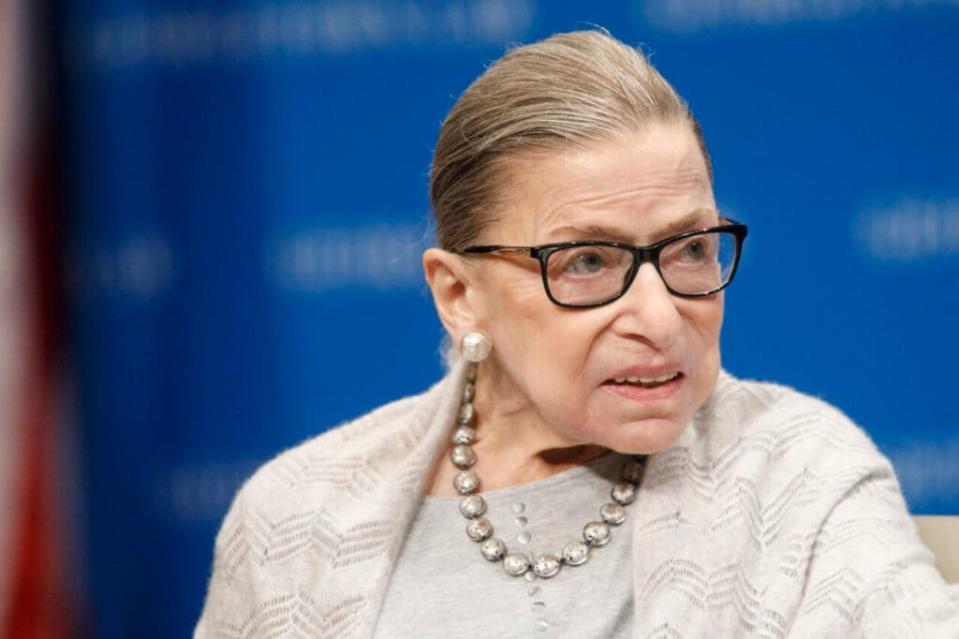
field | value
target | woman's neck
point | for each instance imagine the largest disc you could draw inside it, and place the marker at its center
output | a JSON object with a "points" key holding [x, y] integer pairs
{"points": [[513, 444]]}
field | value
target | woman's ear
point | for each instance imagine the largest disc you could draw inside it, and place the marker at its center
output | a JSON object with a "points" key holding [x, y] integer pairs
{"points": [[448, 279]]}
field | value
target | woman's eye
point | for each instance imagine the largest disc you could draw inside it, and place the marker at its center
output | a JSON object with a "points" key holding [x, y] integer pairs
{"points": [[586, 264], [696, 249]]}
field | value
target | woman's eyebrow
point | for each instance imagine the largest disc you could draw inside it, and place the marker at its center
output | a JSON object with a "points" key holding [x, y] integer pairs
{"points": [[593, 232], [700, 218]]}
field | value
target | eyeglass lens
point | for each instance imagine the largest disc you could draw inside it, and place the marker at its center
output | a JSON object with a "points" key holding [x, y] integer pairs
{"points": [[693, 265]]}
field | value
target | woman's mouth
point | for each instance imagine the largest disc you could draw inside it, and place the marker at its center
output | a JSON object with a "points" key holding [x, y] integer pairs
{"points": [[647, 382], [645, 389]]}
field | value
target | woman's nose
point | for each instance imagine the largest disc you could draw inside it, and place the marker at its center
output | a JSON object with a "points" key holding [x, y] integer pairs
{"points": [[648, 310]]}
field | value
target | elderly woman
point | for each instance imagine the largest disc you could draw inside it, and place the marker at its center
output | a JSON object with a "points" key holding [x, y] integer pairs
{"points": [[585, 468]]}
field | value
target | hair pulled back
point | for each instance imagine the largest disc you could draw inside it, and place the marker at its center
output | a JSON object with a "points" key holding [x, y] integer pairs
{"points": [[569, 90]]}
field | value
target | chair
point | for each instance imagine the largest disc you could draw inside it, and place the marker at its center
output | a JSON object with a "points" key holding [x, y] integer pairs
{"points": [[941, 535]]}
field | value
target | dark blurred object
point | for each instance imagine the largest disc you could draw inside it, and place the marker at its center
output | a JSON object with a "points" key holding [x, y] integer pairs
{"points": [[38, 548]]}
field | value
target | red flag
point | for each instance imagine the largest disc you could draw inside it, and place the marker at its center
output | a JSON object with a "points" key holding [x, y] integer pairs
{"points": [[34, 595]]}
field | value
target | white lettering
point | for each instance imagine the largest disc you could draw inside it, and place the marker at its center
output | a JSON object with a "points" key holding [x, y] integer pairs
{"points": [[294, 29], [693, 15], [909, 230], [138, 268], [928, 471], [381, 257]]}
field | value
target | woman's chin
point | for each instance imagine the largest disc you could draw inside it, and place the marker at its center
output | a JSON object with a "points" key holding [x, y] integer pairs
{"points": [[643, 437]]}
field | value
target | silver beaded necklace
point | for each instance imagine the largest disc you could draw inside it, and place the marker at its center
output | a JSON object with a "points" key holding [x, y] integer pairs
{"points": [[479, 528]]}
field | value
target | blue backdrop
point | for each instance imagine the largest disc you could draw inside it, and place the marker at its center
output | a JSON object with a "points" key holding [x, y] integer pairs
{"points": [[248, 206]]}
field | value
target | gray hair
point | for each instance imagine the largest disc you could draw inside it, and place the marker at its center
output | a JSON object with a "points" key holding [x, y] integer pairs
{"points": [[569, 90]]}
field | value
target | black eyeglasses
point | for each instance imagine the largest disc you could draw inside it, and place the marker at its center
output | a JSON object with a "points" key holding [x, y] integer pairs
{"points": [[587, 274]]}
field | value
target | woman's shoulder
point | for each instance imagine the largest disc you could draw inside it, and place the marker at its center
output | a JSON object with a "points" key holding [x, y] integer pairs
{"points": [[777, 421], [351, 457]]}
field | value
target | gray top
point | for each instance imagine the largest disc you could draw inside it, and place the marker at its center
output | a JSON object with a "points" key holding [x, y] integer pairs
{"points": [[442, 587]]}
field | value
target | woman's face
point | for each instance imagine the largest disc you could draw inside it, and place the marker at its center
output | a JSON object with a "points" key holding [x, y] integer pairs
{"points": [[560, 366]]}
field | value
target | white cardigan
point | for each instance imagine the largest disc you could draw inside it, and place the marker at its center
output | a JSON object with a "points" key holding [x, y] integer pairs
{"points": [[773, 515]]}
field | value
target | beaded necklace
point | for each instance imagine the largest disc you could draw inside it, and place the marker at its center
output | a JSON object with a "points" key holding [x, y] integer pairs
{"points": [[479, 528]]}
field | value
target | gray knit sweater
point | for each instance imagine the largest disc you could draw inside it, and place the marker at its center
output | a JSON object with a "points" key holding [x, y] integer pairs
{"points": [[773, 515]]}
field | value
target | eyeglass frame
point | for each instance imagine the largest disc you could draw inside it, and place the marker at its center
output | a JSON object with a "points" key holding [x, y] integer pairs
{"points": [[641, 255]]}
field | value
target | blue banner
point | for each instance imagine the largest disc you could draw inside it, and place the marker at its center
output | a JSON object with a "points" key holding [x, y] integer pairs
{"points": [[248, 208]]}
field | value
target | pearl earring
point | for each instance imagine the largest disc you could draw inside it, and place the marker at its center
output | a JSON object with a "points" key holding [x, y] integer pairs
{"points": [[475, 346]]}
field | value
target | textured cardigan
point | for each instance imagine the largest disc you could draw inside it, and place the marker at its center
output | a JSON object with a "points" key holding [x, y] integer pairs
{"points": [[773, 515]]}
